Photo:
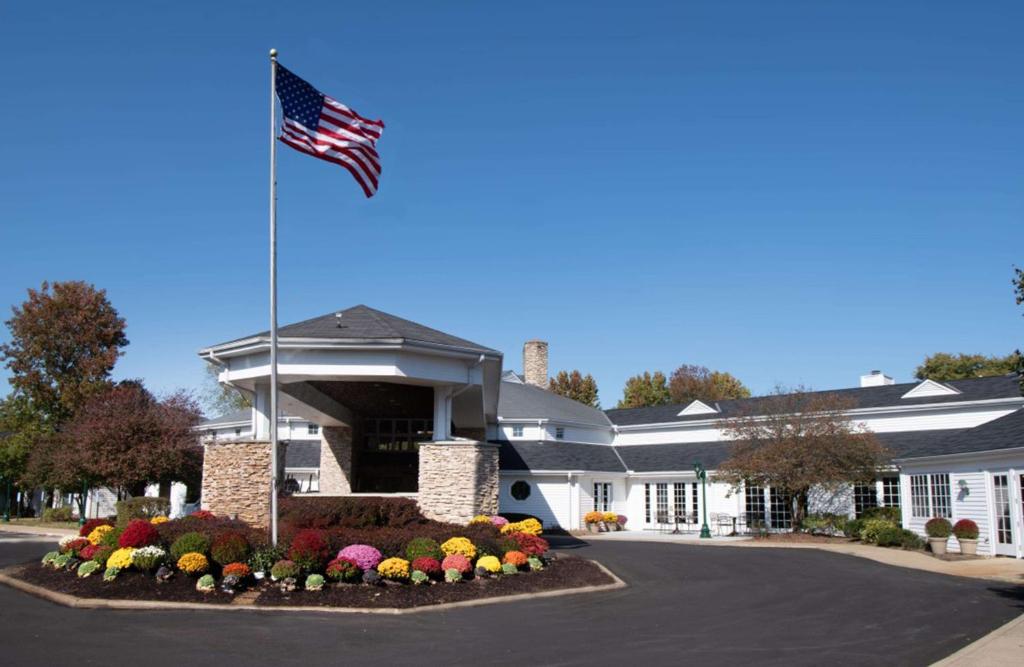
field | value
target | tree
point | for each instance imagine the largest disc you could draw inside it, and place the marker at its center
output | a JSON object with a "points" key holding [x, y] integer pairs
{"points": [[20, 429], [578, 387], [645, 390], [698, 383], [795, 441], [942, 366], [220, 399], [65, 340]]}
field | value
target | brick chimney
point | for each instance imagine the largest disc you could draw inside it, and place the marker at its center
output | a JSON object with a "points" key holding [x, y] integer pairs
{"points": [[535, 363]]}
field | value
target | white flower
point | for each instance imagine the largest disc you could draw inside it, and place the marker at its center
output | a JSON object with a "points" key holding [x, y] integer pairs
{"points": [[148, 552], [66, 540]]}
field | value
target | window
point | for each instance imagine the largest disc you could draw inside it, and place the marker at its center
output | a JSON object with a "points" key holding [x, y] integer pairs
{"points": [[313, 429], [754, 506], [520, 490], [517, 431], [781, 510], [865, 496], [890, 492], [679, 500], [602, 496], [238, 432], [302, 481], [694, 512], [929, 496], [662, 506], [396, 435], [647, 503], [1001, 502], [559, 433]]}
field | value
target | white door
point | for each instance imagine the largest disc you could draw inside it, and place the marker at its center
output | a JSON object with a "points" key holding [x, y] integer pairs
{"points": [[1003, 515]]}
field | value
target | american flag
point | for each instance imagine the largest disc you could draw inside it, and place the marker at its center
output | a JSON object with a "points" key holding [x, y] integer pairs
{"points": [[325, 128]]}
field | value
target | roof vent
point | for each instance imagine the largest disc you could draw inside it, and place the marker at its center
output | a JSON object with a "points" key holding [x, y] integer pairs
{"points": [[875, 379], [337, 319]]}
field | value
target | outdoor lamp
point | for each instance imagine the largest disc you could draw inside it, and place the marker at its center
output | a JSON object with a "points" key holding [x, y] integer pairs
{"points": [[702, 475]]}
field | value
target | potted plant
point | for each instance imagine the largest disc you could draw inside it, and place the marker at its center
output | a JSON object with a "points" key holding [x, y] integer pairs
{"points": [[966, 532], [621, 520], [938, 530], [610, 520], [593, 520]]}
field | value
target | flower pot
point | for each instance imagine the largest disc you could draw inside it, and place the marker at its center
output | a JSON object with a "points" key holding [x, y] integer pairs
{"points": [[968, 547], [938, 545], [602, 527], [258, 575], [593, 527]]}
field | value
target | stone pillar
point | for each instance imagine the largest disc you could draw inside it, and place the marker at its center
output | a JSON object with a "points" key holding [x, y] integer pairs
{"points": [[458, 479], [335, 460], [236, 479]]}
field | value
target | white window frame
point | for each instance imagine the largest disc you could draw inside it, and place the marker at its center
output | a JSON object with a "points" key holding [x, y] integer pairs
{"points": [[602, 496], [930, 496], [517, 430], [308, 479], [312, 429], [559, 433]]}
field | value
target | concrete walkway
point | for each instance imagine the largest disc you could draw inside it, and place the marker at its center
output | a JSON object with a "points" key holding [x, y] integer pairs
{"points": [[1009, 570], [28, 529], [1003, 647]]}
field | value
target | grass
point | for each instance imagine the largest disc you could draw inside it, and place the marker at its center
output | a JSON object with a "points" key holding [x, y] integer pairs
{"points": [[39, 523]]}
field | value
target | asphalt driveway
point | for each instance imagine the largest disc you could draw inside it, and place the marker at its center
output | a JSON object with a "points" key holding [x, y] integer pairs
{"points": [[684, 604]]}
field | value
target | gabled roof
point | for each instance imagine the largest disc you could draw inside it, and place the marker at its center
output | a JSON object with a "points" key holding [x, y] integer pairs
{"points": [[242, 415], [973, 389], [520, 401], [1007, 432], [557, 455], [362, 323]]}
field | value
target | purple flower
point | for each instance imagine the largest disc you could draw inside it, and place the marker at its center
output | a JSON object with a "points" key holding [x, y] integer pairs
{"points": [[363, 555], [499, 521], [621, 519]]}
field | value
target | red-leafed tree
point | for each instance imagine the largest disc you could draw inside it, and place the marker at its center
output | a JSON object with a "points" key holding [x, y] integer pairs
{"points": [[126, 438]]}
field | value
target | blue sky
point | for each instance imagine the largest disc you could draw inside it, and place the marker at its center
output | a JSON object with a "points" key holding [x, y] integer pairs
{"points": [[793, 192]]}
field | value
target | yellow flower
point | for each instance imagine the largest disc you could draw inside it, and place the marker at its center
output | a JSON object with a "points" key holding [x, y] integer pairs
{"points": [[593, 517], [193, 563], [394, 568], [489, 563], [528, 526], [459, 545], [157, 520], [98, 533], [610, 517], [121, 559], [480, 519]]}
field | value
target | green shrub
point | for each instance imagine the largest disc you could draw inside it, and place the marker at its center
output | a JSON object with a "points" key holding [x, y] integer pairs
{"points": [[87, 568], [888, 535], [229, 547], [190, 543], [423, 547], [50, 557], [142, 507], [263, 557], [419, 577], [285, 568], [111, 573], [890, 514], [938, 527], [509, 568], [853, 527], [314, 582], [873, 528], [823, 523], [912, 540], [57, 514]]}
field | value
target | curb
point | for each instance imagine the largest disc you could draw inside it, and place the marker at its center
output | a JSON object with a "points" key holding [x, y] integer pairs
{"points": [[981, 653], [75, 602], [37, 532]]}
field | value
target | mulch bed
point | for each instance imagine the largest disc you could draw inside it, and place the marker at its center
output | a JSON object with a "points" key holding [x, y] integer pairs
{"points": [[565, 572]]}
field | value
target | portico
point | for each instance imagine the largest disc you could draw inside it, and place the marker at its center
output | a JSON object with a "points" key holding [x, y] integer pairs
{"points": [[380, 387]]}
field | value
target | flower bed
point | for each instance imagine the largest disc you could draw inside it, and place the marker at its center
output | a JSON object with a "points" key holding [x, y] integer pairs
{"points": [[414, 562]]}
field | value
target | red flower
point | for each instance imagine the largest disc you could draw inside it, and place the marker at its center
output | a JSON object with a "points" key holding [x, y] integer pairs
{"points": [[139, 533], [428, 566], [202, 514], [309, 549], [91, 524], [531, 545], [88, 552]]}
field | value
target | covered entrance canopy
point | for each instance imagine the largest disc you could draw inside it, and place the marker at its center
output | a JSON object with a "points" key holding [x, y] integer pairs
{"points": [[378, 385]]}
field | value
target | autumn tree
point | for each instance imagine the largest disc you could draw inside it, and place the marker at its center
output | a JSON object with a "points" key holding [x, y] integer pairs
{"points": [[794, 441], [220, 399], [698, 383], [65, 339], [20, 429], [578, 387], [645, 390], [942, 366]]}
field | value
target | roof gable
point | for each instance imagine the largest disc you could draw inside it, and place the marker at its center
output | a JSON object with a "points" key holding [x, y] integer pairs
{"points": [[697, 408], [929, 388]]}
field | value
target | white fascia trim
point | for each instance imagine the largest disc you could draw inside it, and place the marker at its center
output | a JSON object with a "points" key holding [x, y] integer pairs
{"points": [[290, 469], [938, 458], [858, 412], [260, 343], [524, 473], [559, 422], [668, 473], [207, 427]]}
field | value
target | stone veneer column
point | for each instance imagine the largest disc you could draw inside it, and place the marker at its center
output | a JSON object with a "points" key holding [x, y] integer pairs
{"points": [[458, 479], [335, 460], [236, 479]]}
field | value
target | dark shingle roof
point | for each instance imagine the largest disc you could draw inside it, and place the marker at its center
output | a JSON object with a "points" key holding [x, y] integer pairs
{"points": [[365, 323], [525, 401], [242, 415], [1004, 433], [974, 389], [302, 454], [558, 455]]}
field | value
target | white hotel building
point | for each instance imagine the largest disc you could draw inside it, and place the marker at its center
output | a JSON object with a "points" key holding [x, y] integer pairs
{"points": [[387, 406]]}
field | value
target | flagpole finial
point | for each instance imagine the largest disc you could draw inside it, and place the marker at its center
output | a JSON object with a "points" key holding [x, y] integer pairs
{"points": [[273, 53]]}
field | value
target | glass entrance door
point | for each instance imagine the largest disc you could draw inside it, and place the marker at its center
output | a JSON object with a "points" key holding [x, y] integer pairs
{"points": [[1003, 519]]}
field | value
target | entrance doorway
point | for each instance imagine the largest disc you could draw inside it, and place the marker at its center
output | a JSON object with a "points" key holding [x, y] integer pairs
{"points": [[1002, 507]]}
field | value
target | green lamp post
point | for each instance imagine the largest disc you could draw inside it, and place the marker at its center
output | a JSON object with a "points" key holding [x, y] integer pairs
{"points": [[702, 475], [7, 501], [81, 506]]}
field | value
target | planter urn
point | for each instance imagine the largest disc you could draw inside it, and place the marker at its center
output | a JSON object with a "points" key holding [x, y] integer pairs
{"points": [[593, 527], [937, 545], [968, 547]]}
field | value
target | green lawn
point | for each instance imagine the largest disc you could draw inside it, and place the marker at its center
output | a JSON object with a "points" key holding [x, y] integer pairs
{"points": [[39, 523]]}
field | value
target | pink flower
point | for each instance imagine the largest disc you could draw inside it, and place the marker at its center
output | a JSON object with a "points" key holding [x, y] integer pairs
{"points": [[363, 555], [458, 562], [499, 521]]}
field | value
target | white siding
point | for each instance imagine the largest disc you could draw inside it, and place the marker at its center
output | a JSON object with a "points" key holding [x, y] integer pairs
{"points": [[550, 498]]}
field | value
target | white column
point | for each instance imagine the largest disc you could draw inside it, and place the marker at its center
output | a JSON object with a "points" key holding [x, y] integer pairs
{"points": [[261, 413], [442, 412]]}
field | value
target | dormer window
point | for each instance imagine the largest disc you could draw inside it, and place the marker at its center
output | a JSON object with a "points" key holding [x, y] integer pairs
{"points": [[559, 433], [313, 429], [517, 431], [238, 432]]}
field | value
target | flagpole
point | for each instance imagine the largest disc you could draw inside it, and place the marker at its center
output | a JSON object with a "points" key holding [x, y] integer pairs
{"points": [[273, 302]]}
